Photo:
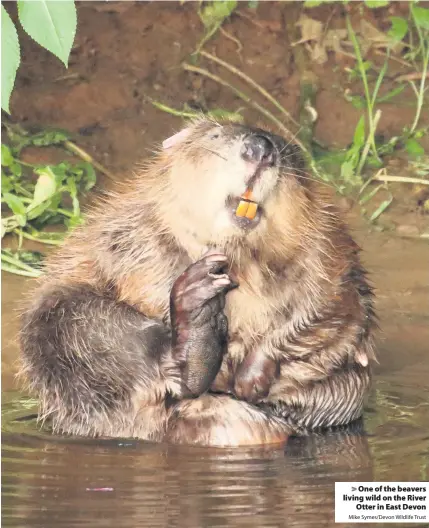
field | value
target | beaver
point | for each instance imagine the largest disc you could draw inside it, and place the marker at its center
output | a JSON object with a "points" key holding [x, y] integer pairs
{"points": [[215, 298]]}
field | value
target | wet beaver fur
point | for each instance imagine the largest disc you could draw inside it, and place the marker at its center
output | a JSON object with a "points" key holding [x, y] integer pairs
{"points": [[169, 318]]}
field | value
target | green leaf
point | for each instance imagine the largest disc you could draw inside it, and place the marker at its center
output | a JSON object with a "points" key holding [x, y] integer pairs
{"points": [[17, 207], [421, 16], [38, 210], [74, 222], [52, 24], [46, 186], [16, 169], [374, 162], [374, 4], [90, 176], [73, 193], [10, 58], [31, 257], [252, 4], [356, 100], [49, 137], [216, 12], [6, 156], [6, 184], [359, 135], [391, 94], [414, 148], [14, 203], [347, 170], [316, 3], [367, 197], [399, 28], [381, 208]]}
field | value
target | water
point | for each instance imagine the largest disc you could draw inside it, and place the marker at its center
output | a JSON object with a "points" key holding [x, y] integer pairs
{"points": [[50, 481]]}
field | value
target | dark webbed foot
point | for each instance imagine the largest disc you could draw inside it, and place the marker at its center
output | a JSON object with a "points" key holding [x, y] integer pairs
{"points": [[199, 326], [254, 377]]}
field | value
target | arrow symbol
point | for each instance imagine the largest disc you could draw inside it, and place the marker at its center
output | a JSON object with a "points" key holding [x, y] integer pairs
{"points": [[353, 488]]}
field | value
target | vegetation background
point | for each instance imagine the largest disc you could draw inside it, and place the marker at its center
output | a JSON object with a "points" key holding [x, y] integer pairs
{"points": [[97, 84]]}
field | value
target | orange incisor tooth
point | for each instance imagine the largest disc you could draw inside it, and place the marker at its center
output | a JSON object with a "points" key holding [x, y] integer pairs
{"points": [[251, 210], [242, 208]]}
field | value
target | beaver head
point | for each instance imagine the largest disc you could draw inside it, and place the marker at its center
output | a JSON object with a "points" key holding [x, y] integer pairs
{"points": [[226, 181]]}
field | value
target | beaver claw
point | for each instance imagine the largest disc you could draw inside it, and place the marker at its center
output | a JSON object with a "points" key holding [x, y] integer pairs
{"points": [[199, 326], [201, 282], [254, 377]]}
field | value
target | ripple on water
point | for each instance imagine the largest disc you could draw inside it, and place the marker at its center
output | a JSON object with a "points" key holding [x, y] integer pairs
{"points": [[53, 481], [49, 481]]}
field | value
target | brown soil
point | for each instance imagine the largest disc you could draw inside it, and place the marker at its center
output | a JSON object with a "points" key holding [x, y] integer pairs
{"points": [[127, 53]]}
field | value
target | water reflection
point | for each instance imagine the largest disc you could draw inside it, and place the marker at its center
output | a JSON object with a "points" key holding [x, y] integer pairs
{"points": [[47, 482]]}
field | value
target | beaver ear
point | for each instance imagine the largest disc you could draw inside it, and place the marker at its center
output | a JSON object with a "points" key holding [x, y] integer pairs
{"points": [[177, 138]]}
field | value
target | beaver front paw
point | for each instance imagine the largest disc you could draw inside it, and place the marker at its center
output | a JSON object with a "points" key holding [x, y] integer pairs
{"points": [[199, 326], [255, 376]]}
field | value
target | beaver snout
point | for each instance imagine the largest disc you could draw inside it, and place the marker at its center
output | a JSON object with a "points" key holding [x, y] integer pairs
{"points": [[259, 149]]}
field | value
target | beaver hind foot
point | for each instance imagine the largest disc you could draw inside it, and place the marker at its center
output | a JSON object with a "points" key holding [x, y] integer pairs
{"points": [[222, 421]]}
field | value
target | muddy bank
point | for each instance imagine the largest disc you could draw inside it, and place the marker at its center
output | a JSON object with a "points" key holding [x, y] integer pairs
{"points": [[127, 53]]}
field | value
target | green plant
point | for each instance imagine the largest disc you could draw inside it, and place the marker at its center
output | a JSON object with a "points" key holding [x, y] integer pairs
{"points": [[38, 196], [420, 17], [370, 99], [366, 149], [399, 29], [50, 24], [213, 15], [352, 167]]}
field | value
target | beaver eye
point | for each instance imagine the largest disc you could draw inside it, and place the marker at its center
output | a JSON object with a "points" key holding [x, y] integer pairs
{"points": [[214, 136]]}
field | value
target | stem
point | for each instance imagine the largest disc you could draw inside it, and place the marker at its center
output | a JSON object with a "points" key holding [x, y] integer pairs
{"points": [[33, 274], [172, 111], [250, 81], [421, 92], [365, 185], [72, 147], [243, 96], [234, 39], [20, 240], [22, 190], [292, 138], [365, 85], [369, 140], [371, 194], [48, 241], [58, 210], [401, 179], [207, 37], [16, 262], [379, 80]]}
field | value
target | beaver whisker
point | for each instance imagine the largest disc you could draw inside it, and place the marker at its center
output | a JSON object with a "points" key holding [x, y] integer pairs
{"points": [[291, 140], [211, 151], [304, 175]]}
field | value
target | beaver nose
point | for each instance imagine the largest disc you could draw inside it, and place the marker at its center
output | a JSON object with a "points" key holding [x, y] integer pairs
{"points": [[258, 149]]}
